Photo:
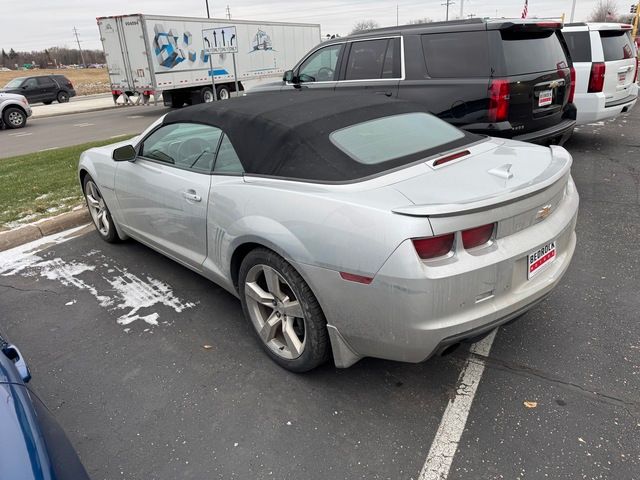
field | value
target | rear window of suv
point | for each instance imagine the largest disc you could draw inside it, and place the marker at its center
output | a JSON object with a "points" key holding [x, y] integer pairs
{"points": [[454, 55], [616, 45], [579, 44], [532, 52]]}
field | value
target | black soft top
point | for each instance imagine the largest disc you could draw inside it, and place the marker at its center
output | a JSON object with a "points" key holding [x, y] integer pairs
{"points": [[286, 134]]}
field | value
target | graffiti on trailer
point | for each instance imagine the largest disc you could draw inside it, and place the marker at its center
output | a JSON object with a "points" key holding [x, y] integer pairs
{"points": [[171, 50]]}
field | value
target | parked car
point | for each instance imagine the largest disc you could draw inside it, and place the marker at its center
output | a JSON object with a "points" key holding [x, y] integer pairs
{"points": [[506, 78], [356, 225], [42, 88], [606, 64], [14, 110], [32, 444]]}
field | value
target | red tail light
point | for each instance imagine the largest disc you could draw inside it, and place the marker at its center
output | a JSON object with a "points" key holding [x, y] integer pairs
{"points": [[498, 100], [477, 236], [572, 89], [433, 247], [116, 92], [69, 84], [635, 76], [596, 79]]}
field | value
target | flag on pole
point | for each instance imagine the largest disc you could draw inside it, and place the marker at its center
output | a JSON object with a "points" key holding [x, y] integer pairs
{"points": [[525, 10]]}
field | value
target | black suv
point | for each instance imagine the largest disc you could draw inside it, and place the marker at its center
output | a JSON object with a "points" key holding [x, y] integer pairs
{"points": [[43, 88], [505, 78]]}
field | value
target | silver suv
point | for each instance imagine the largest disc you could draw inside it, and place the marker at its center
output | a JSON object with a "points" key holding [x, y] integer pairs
{"points": [[14, 110]]}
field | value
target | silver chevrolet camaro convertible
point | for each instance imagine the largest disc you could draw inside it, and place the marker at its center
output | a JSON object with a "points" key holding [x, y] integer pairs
{"points": [[348, 226]]}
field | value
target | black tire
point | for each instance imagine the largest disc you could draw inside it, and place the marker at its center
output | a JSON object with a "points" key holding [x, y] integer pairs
{"points": [[177, 101], [48, 102], [63, 97], [316, 342], [111, 234], [14, 117], [206, 95], [224, 92]]}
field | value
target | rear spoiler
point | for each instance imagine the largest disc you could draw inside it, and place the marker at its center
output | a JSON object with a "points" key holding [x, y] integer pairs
{"points": [[560, 167], [524, 24]]}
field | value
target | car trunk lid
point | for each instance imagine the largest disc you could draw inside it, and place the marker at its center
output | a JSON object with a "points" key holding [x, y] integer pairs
{"points": [[620, 63], [493, 173], [532, 59]]}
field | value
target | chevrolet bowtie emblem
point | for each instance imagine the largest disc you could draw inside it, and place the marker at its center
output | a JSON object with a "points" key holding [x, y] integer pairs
{"points": [[544, 212], [554, 84]]}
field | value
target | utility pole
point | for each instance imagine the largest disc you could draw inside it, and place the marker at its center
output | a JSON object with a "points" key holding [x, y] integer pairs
{"points": [[448, 3], [397, 15], [207, 3], [573, 11], [228, 12], [75, 32], [461, 9]]}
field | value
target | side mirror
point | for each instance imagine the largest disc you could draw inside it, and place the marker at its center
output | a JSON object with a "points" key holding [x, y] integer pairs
{"points": [[289, 77], [125, 153], [24, 87]]}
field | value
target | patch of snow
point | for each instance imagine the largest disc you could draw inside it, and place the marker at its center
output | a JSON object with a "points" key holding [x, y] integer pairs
{"points": [[71, 302]]}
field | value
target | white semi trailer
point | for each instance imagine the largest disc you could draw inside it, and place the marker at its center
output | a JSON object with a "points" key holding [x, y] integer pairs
{"points": [[149, 55]]}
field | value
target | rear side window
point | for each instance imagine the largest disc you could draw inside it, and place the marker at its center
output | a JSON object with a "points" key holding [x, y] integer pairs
{"points": [[374, 59], [460, 54], [532, 52], [579, 44], [616, 45], [396, 136], [45, 81]]}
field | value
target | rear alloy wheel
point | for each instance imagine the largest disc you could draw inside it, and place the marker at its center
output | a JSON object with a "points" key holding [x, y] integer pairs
{"points": [[224, 92], [283, 311], [14, 117], [63, 97], [99, 211]]}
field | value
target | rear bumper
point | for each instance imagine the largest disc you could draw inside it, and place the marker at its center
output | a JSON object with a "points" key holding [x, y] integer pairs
{"points": [[556, 134], [593, 107], [411, 310]]}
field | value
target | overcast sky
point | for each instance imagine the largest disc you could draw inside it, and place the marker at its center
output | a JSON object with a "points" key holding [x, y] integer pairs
{"points": [[38, 24]]}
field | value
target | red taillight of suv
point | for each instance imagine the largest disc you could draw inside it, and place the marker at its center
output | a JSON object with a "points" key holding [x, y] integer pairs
{"points": [[596, 78], [635, 77], [69, 85], [498, 100], [572, 88]]}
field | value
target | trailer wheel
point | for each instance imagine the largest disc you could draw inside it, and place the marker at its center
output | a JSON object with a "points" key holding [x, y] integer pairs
{"points": [[206, 95], [224, 92]]}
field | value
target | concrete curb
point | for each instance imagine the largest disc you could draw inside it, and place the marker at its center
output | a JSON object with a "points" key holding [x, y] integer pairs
{"points": [[34, 231]]}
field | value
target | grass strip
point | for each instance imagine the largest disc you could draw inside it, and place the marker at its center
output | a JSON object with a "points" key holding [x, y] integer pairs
{"points": [[42, 184]]}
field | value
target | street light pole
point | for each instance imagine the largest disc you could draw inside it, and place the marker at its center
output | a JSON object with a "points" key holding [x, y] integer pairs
{"points": [[573, 11], [207, 2]]}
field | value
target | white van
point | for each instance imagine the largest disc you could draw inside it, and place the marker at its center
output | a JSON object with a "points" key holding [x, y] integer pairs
{"points": [[606, 65]]}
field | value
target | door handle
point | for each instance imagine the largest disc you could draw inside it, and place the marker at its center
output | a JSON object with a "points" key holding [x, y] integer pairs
{"points": [[192, 196], [386, 93]]}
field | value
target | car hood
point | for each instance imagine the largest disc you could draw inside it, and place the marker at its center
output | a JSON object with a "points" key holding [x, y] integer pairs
{"points": [[495, 170], [8, 95]]}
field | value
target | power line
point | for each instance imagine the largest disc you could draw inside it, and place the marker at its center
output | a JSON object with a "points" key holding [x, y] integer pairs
{"points": [[228, 12], [75, 32]]}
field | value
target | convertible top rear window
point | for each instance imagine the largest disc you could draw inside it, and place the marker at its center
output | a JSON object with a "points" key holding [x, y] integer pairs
{"points": [[388, 138], [287, 135]]}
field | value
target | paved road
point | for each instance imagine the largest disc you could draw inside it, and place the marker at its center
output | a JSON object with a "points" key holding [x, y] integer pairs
{"points": [[73, 129], [150, 402]]}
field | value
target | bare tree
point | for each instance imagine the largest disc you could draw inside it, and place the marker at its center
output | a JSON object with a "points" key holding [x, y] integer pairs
{"points": [[418, 21], [364, 26], [604, 11]]}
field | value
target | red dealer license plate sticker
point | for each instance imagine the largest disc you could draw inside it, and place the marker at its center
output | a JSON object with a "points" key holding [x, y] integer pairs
{"points": [[545, 98], [538, 260]]}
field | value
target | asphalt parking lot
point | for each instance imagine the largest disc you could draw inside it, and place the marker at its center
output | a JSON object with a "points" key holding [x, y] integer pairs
{"points": [[154, 373]]}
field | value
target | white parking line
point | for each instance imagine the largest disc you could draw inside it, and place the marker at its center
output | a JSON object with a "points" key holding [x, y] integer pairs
{"points": [[47, 149], [83, 124], [20, 134], [118, 136], [445, 443], [134, 116]]}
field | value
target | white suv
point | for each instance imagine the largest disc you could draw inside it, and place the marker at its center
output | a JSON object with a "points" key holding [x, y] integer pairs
{"points": [[606, 68]]}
